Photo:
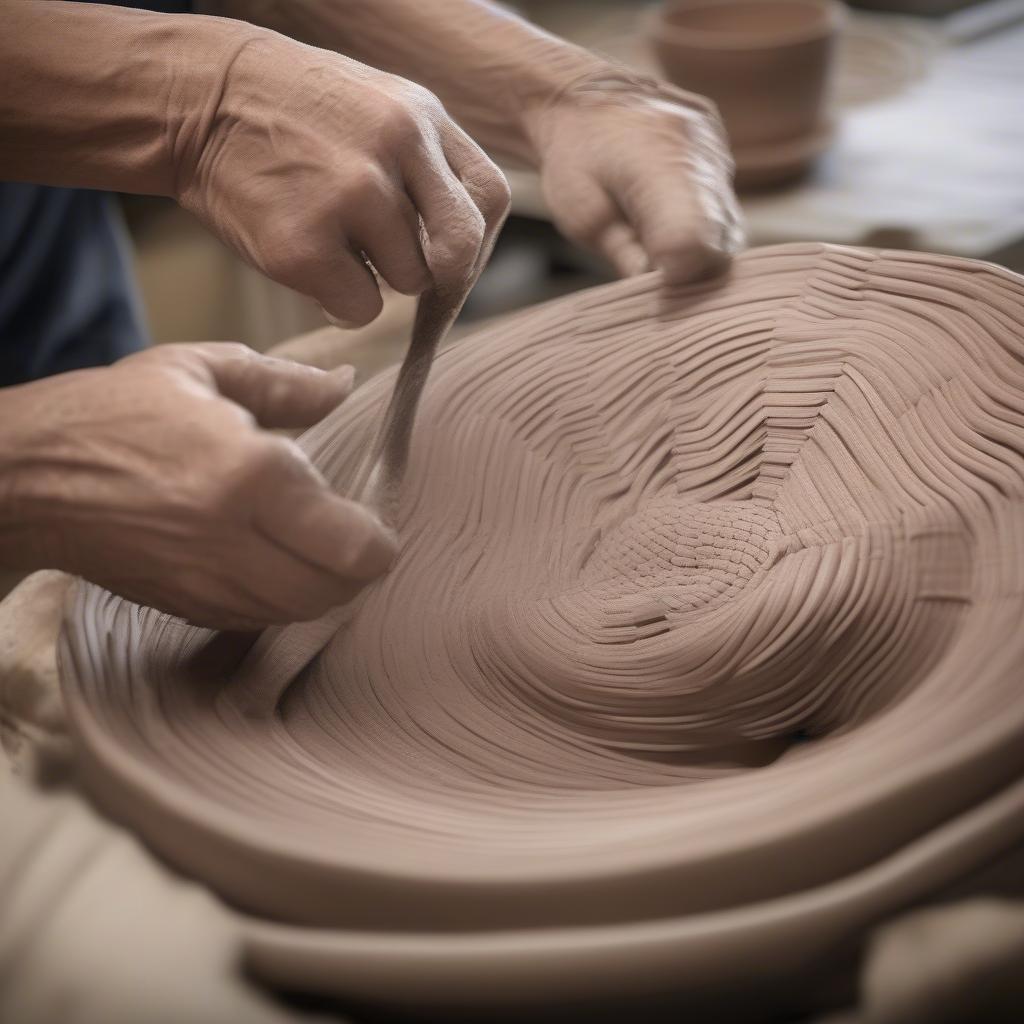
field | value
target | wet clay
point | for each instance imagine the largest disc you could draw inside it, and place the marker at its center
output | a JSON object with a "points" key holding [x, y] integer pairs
{"points": [[702, 654], [281, 652]]}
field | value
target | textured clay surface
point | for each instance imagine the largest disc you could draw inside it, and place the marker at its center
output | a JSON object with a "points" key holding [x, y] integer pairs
{"points": [[703, 653]]}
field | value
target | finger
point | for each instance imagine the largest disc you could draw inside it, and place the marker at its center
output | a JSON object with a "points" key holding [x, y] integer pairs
{"points": [[388, 232], [678, 194], [258, 586], [734, 234], [485, 184], [714, 176], [671, 225], [454, 226], [277, 392], [272, 585], [620, 246], [711, 180], [591, 218], [322, 263], [296, 511]]}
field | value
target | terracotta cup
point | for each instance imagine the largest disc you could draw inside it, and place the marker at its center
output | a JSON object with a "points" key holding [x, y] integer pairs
{"points": [[765, 63]]}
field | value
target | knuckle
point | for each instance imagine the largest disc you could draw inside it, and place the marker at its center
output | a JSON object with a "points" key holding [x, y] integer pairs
{"points": [[495, 197], [488, 186], [364, 186], [272, 455], [261, 463], [229, 350], [421, 99], [287, 251], [690, 105], [463, 239], [400, 121]]}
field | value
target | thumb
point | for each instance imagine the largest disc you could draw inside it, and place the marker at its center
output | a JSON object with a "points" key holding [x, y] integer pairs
{"points": [[302, 515], [587, 214], [278, 393]]}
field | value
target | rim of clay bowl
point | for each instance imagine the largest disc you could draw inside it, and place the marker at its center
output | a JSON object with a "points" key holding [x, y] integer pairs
{"points": [[769, 155], [831, 15], [766, 167]]}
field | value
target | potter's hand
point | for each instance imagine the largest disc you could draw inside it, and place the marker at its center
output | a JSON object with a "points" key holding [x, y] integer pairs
{"points": [[638, 171], [311, 159], [301, 159], [152, 478], [632, 168]]}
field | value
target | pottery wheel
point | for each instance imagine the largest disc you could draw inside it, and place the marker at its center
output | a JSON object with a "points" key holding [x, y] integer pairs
{"points": [[703, 652]]}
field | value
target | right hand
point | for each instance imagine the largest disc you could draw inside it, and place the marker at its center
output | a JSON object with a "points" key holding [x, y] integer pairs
{"points": [[152, 478], [307, 160]]}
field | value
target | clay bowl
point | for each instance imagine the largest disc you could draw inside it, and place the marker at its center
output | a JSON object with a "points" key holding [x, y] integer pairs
{"points": [[747, 683], [767, 65]]}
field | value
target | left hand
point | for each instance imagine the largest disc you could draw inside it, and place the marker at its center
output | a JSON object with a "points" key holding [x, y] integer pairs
{"points": [[639, 172]]}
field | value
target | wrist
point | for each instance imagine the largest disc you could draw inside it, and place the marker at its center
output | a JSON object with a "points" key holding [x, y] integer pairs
{"points": [[490, 67], [200, 94], [539, 82], [33, 460]]}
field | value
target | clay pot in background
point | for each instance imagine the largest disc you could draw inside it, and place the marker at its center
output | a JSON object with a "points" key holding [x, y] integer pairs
{"points": [[767, 65]]}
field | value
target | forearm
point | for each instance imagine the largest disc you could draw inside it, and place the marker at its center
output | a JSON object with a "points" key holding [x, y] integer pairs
{"points": [[102, 97], [489, 67]]}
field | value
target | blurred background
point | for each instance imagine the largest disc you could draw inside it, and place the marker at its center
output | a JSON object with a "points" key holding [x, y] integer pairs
{"points": [[922, 147]]}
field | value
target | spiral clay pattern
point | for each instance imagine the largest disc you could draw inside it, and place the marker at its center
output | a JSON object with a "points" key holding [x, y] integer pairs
{"points": [[704, 650]]}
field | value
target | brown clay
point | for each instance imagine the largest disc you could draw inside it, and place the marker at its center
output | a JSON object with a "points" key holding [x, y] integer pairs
{"points": [[766, 64], [702, 655], [281, 652]]}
